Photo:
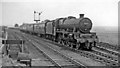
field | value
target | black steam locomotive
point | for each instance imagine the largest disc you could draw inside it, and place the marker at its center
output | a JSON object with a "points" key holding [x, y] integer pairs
{"points": [[70, 31]]}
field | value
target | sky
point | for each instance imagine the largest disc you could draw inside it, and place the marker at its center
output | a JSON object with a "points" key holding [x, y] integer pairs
{"points": [[101, 12]]}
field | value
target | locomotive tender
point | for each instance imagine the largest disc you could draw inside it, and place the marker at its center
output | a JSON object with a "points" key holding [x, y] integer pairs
{"points": [[71, 31]]}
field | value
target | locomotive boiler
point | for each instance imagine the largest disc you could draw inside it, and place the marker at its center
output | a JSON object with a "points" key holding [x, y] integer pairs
{"points": [[81, 24]]}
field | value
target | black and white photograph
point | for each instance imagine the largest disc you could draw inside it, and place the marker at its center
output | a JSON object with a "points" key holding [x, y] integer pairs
{"points": [[59, 34]]}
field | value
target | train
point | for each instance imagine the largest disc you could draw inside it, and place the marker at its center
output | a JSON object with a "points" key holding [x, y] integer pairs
{"points": [[68, 31]]}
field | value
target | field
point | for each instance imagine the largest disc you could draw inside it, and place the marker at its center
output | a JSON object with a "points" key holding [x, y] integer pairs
{"points": [[107, 34]]}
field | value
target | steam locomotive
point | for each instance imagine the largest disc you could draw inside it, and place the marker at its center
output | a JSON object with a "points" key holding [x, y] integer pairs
{"points": [[70, 31]]}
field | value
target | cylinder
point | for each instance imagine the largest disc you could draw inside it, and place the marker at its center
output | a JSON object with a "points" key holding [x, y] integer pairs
{"points": [[82, 24]]}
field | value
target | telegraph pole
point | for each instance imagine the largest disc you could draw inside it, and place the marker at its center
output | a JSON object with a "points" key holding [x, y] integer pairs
{"points": [[39, 13]]}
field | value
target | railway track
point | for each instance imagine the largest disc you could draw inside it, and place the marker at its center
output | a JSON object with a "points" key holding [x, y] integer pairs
{"points": [[107, 51], [106, 55], [96, 55], [20, 47], [57, 58], [107, 45], [46, 58], [108, 60], [10, 36]]}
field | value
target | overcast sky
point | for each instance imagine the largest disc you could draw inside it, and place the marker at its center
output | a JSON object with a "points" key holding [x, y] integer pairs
{"points": [[101, 12]]}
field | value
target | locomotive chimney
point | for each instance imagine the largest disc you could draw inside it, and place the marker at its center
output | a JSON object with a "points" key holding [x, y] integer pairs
{"points": [[81, 15]]}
